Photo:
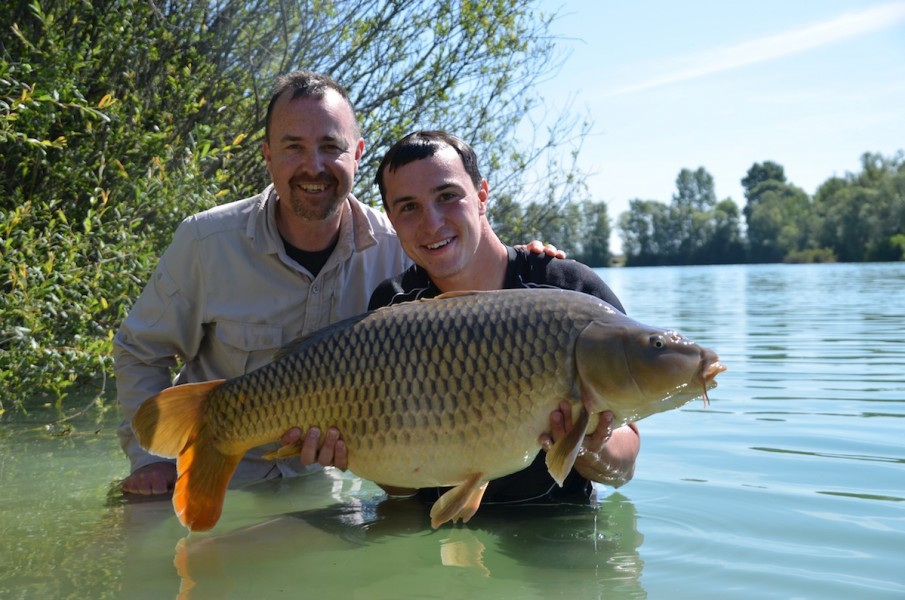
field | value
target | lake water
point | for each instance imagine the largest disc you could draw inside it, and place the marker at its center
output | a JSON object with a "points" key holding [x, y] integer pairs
{"points": [[790, 485]]}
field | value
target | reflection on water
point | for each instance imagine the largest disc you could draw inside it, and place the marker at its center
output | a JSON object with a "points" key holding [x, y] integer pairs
{"points": [[375, 547], [790, 484]]}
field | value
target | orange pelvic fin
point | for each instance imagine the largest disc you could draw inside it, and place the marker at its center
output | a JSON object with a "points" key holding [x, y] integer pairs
{"points": [[562, 455], [461, 502], [285, 451]]}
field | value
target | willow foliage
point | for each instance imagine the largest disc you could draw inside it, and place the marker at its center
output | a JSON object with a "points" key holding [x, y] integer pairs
{"points": [[118, 118]]}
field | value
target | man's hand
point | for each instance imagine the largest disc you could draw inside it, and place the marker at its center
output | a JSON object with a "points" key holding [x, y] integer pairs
{"points": [[538, 247], [151, 480], [607, 455], [332, 453]]}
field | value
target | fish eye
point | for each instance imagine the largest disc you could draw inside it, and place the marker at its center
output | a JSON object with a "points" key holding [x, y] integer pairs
{"points": [[656, 342]]}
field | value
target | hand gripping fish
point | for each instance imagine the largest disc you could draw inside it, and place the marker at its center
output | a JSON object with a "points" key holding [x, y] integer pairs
{"points": [[453, 391]]}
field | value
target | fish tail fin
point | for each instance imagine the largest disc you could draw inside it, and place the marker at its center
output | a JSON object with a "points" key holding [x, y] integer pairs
{"points": [[171, 424], [561, 457], [165, 423], [204, 474]]}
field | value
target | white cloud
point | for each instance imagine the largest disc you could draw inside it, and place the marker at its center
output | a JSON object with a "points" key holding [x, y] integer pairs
{"points": [[776, 46]]}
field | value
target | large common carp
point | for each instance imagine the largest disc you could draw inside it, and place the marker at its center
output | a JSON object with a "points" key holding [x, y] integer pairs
{"points": [[453, 391]]}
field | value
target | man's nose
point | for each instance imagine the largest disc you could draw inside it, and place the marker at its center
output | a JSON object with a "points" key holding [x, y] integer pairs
{"points": [[432, 217], [311, 162]]}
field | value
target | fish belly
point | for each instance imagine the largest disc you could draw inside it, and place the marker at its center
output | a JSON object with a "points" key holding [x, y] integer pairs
{"points": [[446, 456]]}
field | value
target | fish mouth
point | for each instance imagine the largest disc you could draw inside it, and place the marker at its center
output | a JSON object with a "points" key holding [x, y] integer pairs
{"points": [[710, 368]]}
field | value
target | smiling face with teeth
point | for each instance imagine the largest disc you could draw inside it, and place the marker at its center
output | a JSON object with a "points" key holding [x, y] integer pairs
{"points": [[312, 154], [440, 216]]}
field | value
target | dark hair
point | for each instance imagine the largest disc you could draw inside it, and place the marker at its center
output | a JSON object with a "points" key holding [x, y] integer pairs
{"points": [[304, 84], [424, 144]]}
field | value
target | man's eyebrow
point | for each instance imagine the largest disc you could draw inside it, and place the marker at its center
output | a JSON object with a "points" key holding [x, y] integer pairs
{"points": [[444, 186], [440, 188], [400, 200], [330, 137]]}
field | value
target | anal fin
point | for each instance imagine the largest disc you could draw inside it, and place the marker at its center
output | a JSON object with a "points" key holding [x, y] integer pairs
{"points": [[461, 502]]}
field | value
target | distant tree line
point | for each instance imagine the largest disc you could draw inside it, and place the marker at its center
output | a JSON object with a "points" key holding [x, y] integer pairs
{"points": [[855, 218]]}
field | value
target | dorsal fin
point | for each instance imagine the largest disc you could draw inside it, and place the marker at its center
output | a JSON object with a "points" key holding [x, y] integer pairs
{"points": [[455, 294], [296, 344]]}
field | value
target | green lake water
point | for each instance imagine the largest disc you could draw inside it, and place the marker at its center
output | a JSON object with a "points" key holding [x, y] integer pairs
{"points": [[791, 484]]}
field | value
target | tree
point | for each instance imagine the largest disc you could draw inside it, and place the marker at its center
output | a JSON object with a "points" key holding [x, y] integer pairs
{"points": [[645, 233], [690, 211], [694, 190], [723, 241], [777, 214], [759, 173], [858, 217], [595, 248], [778, 222], [121, 117]]}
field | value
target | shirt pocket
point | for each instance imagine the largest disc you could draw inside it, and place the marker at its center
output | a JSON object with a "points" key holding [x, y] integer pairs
{"points": [[155, 299], [247, 346]]}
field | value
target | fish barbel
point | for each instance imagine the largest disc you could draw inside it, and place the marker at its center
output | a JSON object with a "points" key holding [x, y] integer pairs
{"points": [[453, 391]]}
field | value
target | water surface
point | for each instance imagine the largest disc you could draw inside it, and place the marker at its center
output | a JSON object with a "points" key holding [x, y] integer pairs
{"points": [[791, 484]]}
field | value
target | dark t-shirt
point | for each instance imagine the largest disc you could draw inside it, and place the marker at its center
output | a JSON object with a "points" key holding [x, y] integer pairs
{"points": [[525, 270]]}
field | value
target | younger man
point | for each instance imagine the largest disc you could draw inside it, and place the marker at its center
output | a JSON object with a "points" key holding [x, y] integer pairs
{"points": [[436, 199]]}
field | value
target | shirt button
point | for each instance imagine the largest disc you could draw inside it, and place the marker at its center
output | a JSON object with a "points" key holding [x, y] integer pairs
{"points": [[316, 289]]}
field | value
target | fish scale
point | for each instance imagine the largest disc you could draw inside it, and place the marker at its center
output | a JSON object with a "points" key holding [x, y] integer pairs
{"points": [[451, 391]]}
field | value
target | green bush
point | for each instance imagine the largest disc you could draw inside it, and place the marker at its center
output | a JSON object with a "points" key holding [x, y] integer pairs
{"points": [[815, 255], [98, 167]]}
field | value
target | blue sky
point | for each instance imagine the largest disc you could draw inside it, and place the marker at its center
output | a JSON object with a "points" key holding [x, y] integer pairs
{"points": [[809, 84]]}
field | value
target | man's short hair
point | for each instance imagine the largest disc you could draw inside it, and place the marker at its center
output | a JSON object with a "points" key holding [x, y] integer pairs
{"points": [[304, 84], [424, 144]]}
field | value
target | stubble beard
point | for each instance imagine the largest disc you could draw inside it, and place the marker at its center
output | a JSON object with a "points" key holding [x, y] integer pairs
{"points": [[303, 208]]}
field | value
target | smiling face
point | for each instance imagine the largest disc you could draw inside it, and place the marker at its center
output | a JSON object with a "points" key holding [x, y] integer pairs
{"points": [[439, 216], [312, 153]]}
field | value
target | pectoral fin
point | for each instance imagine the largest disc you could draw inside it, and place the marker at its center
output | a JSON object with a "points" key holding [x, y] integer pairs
{"points": [[562, 455], [461, 502]]}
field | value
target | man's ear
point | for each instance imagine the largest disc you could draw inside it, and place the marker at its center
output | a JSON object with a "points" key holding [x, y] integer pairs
{"points": [[483, 195], [359, 151], [265, 150]]}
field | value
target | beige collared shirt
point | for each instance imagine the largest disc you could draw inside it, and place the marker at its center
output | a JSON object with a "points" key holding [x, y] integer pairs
{"points": [[225, 296]]}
